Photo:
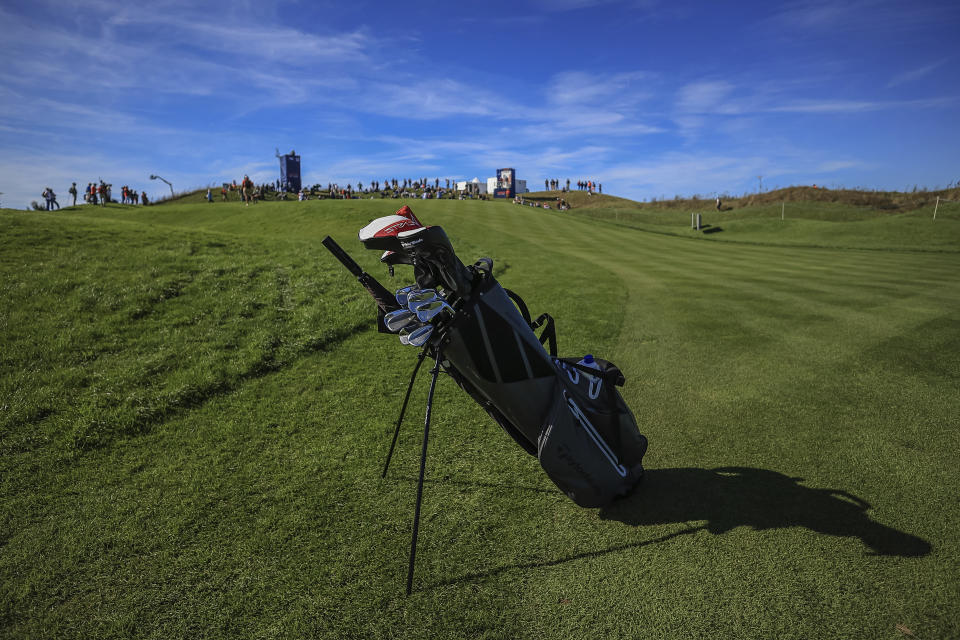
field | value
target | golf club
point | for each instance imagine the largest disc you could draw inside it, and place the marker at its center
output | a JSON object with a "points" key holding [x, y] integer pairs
{"points": [[419, 336], [397, 320], [430, 310], [404, 292], [407, 332], [417, 298]]}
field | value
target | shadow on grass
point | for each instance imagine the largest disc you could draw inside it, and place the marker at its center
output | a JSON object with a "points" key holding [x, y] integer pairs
{"points": [[499, 486], [539, 564], [730, 497]]}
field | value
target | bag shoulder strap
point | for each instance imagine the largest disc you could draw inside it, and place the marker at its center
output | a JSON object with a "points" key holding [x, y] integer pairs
{"points": [[549, 334], [521, 305]]}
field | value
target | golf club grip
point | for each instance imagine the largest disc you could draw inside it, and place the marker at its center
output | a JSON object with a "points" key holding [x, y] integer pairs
{"points": [[342, 256]]}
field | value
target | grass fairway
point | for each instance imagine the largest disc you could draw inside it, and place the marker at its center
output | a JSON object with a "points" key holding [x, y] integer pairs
{"points": [[195, 406]]}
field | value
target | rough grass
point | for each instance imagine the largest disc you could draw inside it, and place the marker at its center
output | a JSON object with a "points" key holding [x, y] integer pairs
{"points": [[194, 407], [879, 200], [796, 223]]}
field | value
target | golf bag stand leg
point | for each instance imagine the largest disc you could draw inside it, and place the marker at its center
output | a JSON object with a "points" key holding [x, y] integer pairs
{"points": [[403, 410], [423, 464]]}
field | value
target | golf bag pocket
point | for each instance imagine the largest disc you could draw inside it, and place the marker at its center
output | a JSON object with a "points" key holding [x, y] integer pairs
{"points": [[590, 447]]}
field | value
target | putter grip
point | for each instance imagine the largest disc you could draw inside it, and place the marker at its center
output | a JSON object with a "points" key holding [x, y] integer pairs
{"points": [[342, 256]]}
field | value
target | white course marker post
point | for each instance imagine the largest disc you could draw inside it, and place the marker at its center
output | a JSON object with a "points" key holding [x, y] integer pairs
{"points": [[935, 207]]}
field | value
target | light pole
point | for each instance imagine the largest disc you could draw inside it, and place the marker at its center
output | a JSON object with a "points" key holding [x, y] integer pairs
{"points": [[153, 177]]}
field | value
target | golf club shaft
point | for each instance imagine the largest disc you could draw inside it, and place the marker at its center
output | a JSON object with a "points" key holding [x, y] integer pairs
{"points": [[384, 299], [342, 256]]}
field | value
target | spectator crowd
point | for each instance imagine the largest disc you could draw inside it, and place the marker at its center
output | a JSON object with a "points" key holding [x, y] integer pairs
{"points": [[590, 186], [98, 193], [101, 193]]}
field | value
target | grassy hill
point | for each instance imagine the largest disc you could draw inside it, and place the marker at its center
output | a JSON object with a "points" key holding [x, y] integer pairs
{"points": [[195, 406], [883, 200], [795, 216], [798, 216]]}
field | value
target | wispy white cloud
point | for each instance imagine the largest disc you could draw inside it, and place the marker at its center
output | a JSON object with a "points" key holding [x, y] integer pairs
{"points": [[593, 105], [708, 96], [859, 106], [570, 5], [158, 49], [673, 173], [580, 87], [826, 17], [557, 6], [591, 125], [839, 165], [914, 74], [815, 15], [268, 42], [421, 99], [686, 172]]}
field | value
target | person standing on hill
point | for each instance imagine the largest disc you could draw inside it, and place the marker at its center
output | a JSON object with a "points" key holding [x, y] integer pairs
{"points": [[246, 187], [718, 203], [209, 195], [143, 198], [73, 192]]}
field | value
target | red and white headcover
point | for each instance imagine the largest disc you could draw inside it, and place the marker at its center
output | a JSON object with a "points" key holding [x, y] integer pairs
{"points": [[382, 232], [407, 212]]}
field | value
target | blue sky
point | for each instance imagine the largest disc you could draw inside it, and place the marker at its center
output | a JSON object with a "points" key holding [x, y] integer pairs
{"points": [[652, 99]]}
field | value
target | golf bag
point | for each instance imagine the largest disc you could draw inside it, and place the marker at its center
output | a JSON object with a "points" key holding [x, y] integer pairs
{"points": [[570, 416], [565, 411]]}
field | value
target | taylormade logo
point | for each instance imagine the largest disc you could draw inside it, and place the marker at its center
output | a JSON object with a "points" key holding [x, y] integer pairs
{"points": [[394, 228], [565, 454]]}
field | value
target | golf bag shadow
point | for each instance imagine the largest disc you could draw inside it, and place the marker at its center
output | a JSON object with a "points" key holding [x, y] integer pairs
{"points": [[571, 417]]}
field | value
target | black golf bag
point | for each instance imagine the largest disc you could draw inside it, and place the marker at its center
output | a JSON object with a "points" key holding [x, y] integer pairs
{"points": [[568, 414]]}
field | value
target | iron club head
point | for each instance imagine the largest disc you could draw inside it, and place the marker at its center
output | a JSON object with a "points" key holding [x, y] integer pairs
{"points": [[404, 292], [430, 310], [417, 298], [397, 320], [419, 336]]}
